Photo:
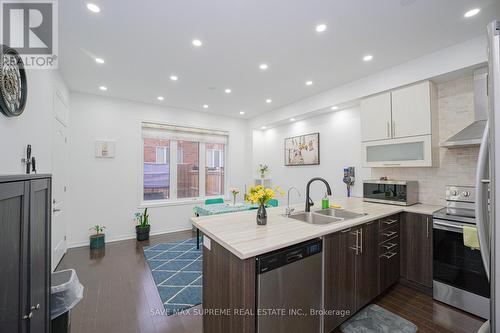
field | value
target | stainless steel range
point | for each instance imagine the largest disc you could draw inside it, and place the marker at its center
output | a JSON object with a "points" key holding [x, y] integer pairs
{"points": [[458, 272]]}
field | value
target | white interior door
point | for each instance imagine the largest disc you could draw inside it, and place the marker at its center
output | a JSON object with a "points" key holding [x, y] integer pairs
{"points": [[59, 182]]}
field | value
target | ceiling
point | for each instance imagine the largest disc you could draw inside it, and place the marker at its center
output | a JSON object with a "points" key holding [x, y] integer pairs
{"points": [[144, 42]]}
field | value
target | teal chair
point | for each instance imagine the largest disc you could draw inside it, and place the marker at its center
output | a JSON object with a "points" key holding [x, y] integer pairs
{"points": [[214, 201], [273, 203]]}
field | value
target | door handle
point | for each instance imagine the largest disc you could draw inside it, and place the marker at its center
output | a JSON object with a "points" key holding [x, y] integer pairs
{"points": [[356, 247], [361, 241]]}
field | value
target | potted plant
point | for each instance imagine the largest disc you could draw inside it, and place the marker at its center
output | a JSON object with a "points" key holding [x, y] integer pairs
{"points": [[261, 195], [234, 191], [143, 227], [263, 169], [97, 240]]}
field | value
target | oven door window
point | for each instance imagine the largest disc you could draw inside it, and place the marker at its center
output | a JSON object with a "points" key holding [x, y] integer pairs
{"points": [[457, 265]]}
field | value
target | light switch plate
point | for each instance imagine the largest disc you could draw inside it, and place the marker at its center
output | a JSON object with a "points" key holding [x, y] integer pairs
{"points": [[207, 242]]}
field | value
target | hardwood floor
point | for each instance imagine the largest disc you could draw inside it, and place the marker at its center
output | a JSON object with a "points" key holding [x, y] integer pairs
{"points": [[120, 294]]}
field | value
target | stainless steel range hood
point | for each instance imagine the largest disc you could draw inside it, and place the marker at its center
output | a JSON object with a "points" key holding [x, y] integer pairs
{"points": [[471, 135]]}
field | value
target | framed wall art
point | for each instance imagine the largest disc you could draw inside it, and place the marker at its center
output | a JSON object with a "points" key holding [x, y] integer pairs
{"points": [[302, 150]]}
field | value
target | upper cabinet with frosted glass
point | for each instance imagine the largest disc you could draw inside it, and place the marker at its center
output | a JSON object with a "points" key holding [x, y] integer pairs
{"points": [[399, 128]]}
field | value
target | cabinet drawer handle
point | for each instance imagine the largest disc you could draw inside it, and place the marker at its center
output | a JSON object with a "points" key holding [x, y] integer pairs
{"points": [[346, 230], [388, 255], [35, 307], [389, 234], [390, 222], [28, 316], [389, 246]]}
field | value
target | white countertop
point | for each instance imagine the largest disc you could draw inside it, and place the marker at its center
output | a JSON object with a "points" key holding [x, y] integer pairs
{"points": [[240, 234]]}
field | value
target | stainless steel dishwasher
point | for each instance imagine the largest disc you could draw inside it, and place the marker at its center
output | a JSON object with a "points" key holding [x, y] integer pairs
{"points": [[289, 286]]}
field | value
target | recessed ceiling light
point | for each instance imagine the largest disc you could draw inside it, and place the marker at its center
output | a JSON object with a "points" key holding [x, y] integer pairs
{"points": [[99, 60], [263, 127], [227, 91], [205, 106], [197, 42], [472, 12], [367, 57], [269, 100], [103, 88], [160, 98], [321, 28], [334, 107], [93, 8], [292, 119], [309, 83], [242, 112], [174, 77], [263, 66]]}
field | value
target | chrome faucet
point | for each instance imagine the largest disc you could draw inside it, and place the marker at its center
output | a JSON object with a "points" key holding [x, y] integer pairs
{"points": [[309, 202], [289, 210]]}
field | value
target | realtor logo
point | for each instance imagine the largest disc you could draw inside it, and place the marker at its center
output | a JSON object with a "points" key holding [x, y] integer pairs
{"points": [[30, 27]]}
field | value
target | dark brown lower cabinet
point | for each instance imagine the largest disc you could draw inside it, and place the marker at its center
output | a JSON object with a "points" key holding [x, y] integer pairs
{"points": [[351, 272], [25, 248], [416, 242]]}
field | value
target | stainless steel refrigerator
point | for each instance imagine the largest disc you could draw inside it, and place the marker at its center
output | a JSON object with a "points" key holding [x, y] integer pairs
{"points": [[487, 186]]}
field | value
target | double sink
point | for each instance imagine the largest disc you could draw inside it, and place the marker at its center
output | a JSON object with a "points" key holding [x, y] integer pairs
{"points": [[325, 216]]}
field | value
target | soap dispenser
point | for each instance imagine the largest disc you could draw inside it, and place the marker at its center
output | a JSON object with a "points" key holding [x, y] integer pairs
{"points": [[325, 203]]}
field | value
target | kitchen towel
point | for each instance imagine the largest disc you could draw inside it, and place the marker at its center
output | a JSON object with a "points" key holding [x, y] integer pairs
{"points": [[471, 239]]}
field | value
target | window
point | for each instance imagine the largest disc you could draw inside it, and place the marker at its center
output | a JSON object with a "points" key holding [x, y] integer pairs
{"points": [[172, 159], [214, 170], [156, 169]]}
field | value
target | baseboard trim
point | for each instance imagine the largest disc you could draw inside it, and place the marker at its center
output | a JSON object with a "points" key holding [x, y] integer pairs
{"points": [[126, 237]]}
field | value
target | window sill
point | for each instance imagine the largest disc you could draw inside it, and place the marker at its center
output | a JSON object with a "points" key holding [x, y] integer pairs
{"points": [[179, 202]]}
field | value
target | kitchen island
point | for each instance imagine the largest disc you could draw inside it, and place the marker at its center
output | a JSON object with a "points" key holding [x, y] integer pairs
{"points": [[233, 241]]}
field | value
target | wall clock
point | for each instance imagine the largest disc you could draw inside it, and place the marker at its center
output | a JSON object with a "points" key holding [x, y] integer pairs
{"points": [[13, 87]]}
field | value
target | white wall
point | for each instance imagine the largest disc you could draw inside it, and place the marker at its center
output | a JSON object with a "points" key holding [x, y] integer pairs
{"points": [[340, 146], [106, 191], [34, 126]]}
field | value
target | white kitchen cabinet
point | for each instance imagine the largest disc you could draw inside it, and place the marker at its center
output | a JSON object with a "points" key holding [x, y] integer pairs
{"points": [[399, 128], [376, 117], [412, 110], [418, 151]]}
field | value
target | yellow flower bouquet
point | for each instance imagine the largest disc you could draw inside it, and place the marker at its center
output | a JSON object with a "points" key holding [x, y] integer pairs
{"points": [[262, 195]]}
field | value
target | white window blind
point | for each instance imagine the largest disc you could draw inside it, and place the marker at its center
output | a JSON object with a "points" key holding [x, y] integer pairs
{"points": [[182, 133]]}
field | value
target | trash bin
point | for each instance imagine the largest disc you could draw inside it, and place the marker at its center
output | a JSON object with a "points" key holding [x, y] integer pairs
{"points": [[65, 292]]}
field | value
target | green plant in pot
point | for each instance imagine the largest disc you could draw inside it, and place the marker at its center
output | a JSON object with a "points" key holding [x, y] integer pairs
{"points": [[97, 239], [142, 228]]}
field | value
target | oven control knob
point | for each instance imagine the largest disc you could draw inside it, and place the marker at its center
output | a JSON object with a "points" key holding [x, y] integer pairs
{"points": [[454, 192], [466, 194]]}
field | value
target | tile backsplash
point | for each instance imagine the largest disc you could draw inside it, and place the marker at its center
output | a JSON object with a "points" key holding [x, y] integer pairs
{"points": [[456, 166]]}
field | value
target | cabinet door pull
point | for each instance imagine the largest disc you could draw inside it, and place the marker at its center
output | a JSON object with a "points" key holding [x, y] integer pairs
{"points": [[361, 241], [389, 234], [346, 230], [388, 255], [427, 227], [389, 246], [35, 307], [356, 247], [390, 222], [388, 130], [393, 129], [28, 316]]}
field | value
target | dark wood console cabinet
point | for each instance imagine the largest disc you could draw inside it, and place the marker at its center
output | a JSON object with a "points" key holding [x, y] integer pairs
{"points": [[25, 253]]}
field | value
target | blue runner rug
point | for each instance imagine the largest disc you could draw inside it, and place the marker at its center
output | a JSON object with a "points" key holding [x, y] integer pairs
{"points": [[177, 271]]}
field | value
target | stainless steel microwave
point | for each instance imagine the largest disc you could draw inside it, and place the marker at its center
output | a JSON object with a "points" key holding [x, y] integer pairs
{"points": [[394, 192]]}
